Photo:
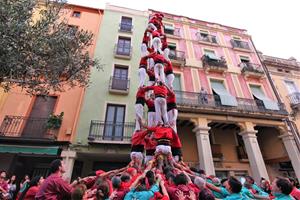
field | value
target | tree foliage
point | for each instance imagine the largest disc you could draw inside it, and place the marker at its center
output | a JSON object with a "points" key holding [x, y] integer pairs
{"points": [[43, 53]]}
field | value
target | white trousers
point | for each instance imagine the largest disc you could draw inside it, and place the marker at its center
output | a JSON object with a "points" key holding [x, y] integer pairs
{"points": [[136, 155], [172, 116], [144, 50], [170, 80], [159, 72], [156, 44], [163, 149], [166, 53], [151, 119], [139, 111], [160, 110], [142, 76]]}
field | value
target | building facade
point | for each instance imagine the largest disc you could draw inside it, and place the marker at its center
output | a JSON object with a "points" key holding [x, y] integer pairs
{"points": [[107, 117], [27, 146], [235, 125], [285, 74]]}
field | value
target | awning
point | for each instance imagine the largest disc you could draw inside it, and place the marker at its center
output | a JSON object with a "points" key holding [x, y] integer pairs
{"points": [[29, 150], [226, 98], [172, 45], [269, 104]]}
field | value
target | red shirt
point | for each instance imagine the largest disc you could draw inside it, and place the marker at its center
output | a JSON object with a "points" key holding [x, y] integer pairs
{"points": [[150, 104], [151, 74], [141, 93], [295, 193], [30, 194], [168, 67], [158, 90], [138, 137], [54, 188], [155, 34], [143, 62], [162, 132], [157, 57], [171, 97], [184, 188], [150, 144]]}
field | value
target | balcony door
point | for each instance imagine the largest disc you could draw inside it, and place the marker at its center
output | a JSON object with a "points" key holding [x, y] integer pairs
{"points": [[292, 88], [124, 46], [120, 78], [35, 126], [114, 122]]}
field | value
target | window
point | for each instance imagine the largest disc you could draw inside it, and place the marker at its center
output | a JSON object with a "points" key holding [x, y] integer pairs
{"points": [[172, 53], [280, 70], [126, 24], [120, 78], [114, 122], [203, 35], [210, 54], [177, 82], [292, 88], [76, 14], [124, 46], [72, 30], [169, 29], [244, 59]]}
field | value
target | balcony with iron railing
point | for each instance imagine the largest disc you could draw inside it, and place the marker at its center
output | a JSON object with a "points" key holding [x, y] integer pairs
{"points": [[119, 85], [214, 64], [123, 52], [206, 38], [124, 27], [177, 57], [110, 132], [252, 70], [294, 99], [211, 104], [27, 127], [176, 33], [240, 44]]}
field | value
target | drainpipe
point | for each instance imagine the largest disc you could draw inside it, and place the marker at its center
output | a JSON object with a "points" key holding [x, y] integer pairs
{"points": [[287, 120]]}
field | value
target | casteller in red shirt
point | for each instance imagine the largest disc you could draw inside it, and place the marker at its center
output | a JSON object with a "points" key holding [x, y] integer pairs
{"points": [[54, 188], [30, 194], [159, 90]]}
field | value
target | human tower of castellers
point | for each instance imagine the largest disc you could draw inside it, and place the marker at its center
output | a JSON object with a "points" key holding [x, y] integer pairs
{"points": [[156, 170]]}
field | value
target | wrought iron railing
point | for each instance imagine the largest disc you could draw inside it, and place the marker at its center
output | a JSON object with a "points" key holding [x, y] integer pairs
{"points": [[220, 62], [294, 98], [209, 101], [26, 127], [177, 55], [125, 27], [207, 38], [117, 83], [251, 67], [110, 131], [123, 51], [239, 44]]}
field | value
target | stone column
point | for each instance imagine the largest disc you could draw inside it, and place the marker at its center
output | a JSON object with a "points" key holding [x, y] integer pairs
{"points": [[293, 152], [204, 149], [68, 157], [256, 160]]}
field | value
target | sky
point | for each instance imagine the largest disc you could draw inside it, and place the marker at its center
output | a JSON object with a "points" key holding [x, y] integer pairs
{"points": [[273, 24]]}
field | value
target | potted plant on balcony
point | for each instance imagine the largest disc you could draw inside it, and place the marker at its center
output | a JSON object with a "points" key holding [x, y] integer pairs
{"points": [[54, 123]]}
